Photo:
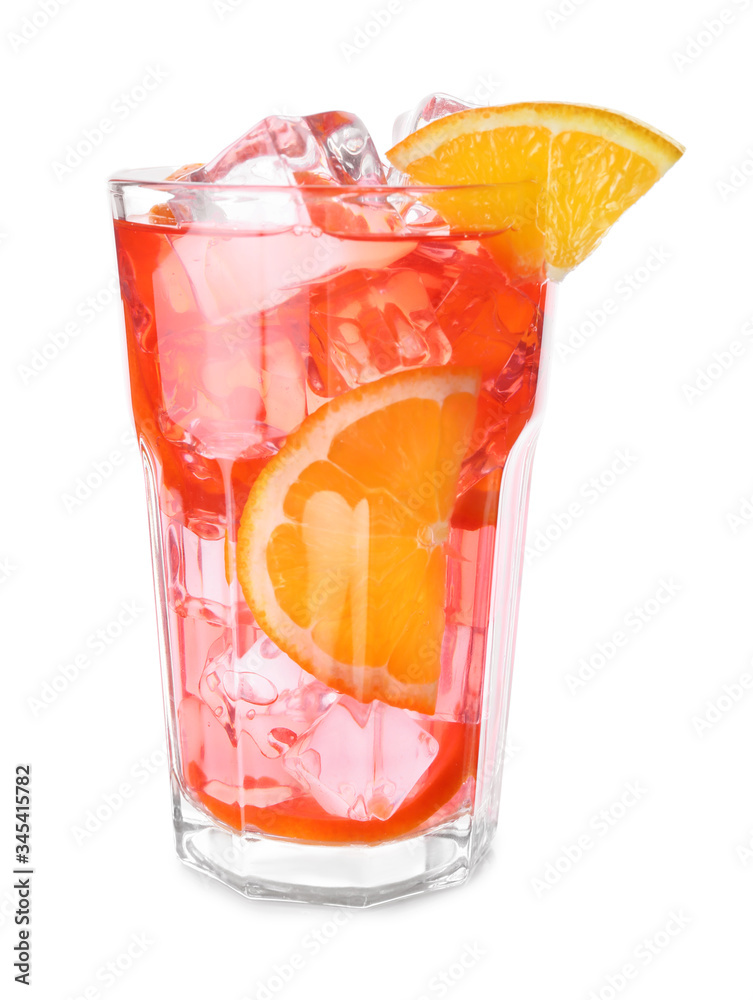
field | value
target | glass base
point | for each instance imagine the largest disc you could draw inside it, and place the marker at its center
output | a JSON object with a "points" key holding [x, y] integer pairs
{"points": [[262, 867]]}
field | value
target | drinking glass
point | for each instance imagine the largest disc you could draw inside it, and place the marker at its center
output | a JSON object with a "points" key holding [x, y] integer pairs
{"points": [[337, 396]]}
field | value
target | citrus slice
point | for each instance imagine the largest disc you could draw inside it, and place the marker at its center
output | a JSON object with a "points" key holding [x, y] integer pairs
{"points": [[340, 549], [590, 165]]}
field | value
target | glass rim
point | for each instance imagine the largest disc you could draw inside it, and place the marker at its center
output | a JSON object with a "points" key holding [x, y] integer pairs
{"points": [[144, 177]]}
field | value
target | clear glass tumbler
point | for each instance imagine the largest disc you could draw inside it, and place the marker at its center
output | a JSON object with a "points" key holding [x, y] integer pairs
{"points": [[337, 396]]}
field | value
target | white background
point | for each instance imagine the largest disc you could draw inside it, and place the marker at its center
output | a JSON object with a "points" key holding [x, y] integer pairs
{"points": [[682, 847]]}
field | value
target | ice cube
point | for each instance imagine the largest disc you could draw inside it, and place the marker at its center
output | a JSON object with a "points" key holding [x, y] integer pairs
{"points": [[487, 319], [459, 693], [367, 323], [495, 326], [138, 317], [227, 277], [327, 149], [362, 761], [237, 390], [262, 693], [228, 772], [427, 110], [331, 147], [196, 584]]}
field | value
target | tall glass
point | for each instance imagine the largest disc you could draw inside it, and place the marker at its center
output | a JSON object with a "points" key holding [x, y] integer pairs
{"points": [[337, 397]]}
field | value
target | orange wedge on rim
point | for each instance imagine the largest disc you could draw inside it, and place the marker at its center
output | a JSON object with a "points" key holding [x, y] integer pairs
{"points": [[589, 164]]}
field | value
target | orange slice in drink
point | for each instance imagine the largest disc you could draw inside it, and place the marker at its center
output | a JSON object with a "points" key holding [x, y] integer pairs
{"points": [[589, 165], [340, 550]]}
